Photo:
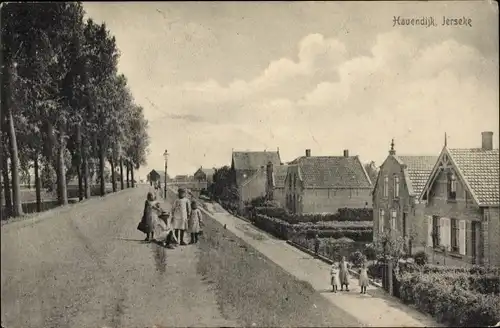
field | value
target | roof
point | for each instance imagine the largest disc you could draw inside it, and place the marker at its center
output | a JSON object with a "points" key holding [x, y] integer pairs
{"points": [[418, 170], [480, 169], [207, 172], [280, 172], [332, 172], [254, 160]]}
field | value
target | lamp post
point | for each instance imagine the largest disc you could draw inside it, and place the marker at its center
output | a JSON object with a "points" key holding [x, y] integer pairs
{"points": [[165, 156]]}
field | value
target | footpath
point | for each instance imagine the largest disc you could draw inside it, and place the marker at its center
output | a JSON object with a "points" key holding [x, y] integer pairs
{"points": [[374, 309]]}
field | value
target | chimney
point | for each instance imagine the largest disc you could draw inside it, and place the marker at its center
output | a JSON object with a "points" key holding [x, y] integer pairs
{"points": [[308, 152], [487, 143], [346, 152]]}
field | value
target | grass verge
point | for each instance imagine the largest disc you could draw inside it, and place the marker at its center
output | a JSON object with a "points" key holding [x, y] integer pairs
{"points": [[254, 291]]}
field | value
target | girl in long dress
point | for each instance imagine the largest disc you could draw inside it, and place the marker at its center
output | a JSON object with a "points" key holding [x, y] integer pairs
{"points": [[344, 274], [150, 216], [181, 210], [363, 278], [334, 277], [194, 222]]}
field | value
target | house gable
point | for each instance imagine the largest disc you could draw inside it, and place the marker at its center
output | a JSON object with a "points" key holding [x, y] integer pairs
{"points": [[445, 161]]}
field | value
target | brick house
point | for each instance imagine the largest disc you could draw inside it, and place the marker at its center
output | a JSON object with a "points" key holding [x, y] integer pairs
{"points": [[204, 175], [395, 196], [276, 176], [249, 171], [462, 206], [323, 184]]}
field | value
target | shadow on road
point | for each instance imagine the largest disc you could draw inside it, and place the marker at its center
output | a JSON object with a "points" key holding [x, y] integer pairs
{"points": [[160, 256], [140, 241]]}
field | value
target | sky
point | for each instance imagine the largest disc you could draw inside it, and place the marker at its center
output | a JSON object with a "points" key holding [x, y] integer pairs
{"points": [[214, 77]]}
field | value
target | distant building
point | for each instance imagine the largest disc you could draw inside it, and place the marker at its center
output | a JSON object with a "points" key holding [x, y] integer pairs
{"points": [[156, 176], [323, 184], [204, 175], [461, 199], [395, 196], [181, 178], [249, 172]]}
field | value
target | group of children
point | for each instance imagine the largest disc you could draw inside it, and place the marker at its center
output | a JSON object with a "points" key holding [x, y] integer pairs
{"points": [[184, 216], [339, 276]]}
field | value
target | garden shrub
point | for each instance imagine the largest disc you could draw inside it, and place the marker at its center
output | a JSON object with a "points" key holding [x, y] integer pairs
{"points": [[449, 303], [355, 214], [421, 258], [357, 259], [370, 252]]}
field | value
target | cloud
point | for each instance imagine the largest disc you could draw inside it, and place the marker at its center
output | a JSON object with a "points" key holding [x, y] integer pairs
{"points": [[324, 100]]}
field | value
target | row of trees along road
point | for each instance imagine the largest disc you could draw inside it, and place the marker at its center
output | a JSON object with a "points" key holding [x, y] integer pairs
{"points": [[65, 109]]}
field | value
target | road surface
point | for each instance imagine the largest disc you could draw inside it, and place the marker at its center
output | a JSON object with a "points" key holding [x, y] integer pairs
{"points": [[86, 266]]}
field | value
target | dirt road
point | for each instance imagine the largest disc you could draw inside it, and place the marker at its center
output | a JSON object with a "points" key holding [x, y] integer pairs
{"points": [[86, 266]]}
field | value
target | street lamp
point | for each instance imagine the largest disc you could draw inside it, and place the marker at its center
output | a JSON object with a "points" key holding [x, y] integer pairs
{"points": [[165, 156]]}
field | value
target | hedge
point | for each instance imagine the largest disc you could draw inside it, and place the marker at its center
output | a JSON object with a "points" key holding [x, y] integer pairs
{"points": [[433, 268], [329, 248], [343, 214], [285, 230], [449, 303]]}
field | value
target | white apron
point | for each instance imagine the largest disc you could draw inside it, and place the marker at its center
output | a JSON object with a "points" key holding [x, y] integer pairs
{"points": [[180, 213]]}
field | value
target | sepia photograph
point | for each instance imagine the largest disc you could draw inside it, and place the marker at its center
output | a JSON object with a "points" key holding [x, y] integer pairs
{"points": [[250, 164]]}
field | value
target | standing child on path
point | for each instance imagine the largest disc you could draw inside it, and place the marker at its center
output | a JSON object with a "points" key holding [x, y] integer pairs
{"points": [[363, 278], [194, 222], [180, 214], [344, 274], [334, 277]]}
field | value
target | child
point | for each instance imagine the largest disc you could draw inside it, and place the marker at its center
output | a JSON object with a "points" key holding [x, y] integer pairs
{"points": [[334, 273], [316, 244], [194, 222], [180, 214], [363, 278]]}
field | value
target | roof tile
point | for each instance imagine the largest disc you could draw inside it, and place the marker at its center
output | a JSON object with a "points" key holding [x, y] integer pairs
{"points": [[332, 172], [481, 170], [419, 168]]}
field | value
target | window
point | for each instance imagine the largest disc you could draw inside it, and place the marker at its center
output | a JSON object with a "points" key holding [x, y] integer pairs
{"points": [[394, 215], [381, 219], [396, 186], [386, 186], [454, 235], [290, 181], [435, 231], [452, 187]]}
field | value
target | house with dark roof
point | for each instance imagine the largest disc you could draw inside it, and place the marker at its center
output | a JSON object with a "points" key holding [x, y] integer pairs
{"points": [[204, 175], [156, 176], [461, 199], [323, 184], [395, 196], [249, 169]]}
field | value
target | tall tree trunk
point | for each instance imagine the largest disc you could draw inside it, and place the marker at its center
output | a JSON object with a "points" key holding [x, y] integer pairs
{"points": [[128, 173], [85, 169], [79, 162], [132, 174], [113, 174], [62, 191], [6, 186], [38, 186], [121, 174], [101, 167], [17, 206]]}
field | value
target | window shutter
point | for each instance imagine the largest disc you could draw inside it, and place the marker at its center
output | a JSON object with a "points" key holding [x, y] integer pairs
{"points": [[381, 220], [461, 236], [429, 230], [442, 231], [446, 232]]}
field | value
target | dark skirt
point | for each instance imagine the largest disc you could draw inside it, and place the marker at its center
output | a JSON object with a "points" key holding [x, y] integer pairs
{"points": [[146, 224]]}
